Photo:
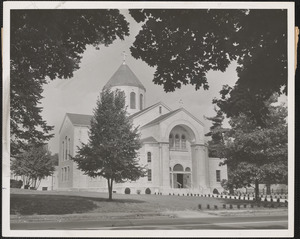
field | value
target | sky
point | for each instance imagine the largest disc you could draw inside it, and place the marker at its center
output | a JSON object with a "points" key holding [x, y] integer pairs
{"points": [[79, 93]]}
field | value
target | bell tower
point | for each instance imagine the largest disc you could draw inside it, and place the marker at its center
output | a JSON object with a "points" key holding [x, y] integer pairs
{"points": [[125, 80]]}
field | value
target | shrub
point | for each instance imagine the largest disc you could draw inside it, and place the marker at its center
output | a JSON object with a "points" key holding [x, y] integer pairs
{"points": [[127, 190], [215, 191], [148, 191], [138, 191], [15, 183]]}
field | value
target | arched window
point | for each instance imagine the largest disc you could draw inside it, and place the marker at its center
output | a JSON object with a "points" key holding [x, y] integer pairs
{"points": [[132, 100], [178, 167], [187, 169], [149, 175], [69, 151], [141, 101], [68, 173], [66, 149], [183, 142], [149, 157], [63, 151], [177, 141], [171, 141]]}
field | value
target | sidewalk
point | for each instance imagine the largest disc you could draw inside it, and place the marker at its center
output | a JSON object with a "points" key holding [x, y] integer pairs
{"points": [[147, 215]]}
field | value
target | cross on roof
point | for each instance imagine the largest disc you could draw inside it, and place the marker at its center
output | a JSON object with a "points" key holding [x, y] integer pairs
{"points": [[124, 57], [181, 103]]}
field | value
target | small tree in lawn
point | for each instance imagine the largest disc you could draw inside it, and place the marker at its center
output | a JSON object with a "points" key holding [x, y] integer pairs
{"points": [[34, 165], [112, 148]]}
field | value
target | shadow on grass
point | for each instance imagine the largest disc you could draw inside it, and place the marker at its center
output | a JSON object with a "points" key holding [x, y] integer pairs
{"points": [[30, 204]]}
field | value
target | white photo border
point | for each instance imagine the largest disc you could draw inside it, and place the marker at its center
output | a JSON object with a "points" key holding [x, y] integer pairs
{"points": [[131, 5]]}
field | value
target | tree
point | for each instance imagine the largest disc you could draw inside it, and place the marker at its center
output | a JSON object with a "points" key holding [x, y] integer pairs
{"points": [[55, 158], [45, 45], [216, 132], [33, 165], [112, 148], [255, 154], [184, 44]]}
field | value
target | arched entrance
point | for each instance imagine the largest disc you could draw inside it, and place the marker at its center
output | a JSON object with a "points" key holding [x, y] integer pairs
{"points": [[186, 148], [180, 178]]}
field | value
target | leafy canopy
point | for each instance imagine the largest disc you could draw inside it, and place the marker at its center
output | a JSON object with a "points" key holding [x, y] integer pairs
{"points": [[112, 149], [48, 44], [35, 164], [184, 44], [256, 154]]}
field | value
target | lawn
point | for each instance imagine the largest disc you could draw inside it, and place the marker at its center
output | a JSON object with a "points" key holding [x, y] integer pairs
{"points": [[95, 204]]}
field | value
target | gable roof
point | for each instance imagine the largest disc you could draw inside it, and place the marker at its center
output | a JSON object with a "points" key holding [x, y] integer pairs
{"points": [[148, 108], [149, 140], [161, 118], [167, 115], [80, 119], [77, 119], [124, 76]]}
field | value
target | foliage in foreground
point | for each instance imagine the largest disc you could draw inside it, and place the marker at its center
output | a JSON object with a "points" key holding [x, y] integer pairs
{"points": [[112, 149], [48, 44], [34, 165], [185, 44], [254, 154]]}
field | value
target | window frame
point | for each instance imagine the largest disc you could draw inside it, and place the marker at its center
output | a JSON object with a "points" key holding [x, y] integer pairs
{"points": [[149, 157], [132, 100], [149, 175], [218, 175], [141, 101]]}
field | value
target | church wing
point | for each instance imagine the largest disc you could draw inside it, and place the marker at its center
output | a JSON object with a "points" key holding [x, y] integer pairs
{"points": [[149, 114], [162, 126]]}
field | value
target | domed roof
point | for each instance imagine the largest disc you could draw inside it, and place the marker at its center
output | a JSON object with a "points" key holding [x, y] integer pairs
{"points": [[124, 77]]}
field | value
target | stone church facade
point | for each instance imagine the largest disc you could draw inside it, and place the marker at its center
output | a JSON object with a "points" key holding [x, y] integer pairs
{"points": [[173, 146]]}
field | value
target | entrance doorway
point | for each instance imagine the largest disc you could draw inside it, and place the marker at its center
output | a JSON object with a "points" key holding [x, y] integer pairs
{"points": [[180, 180]]}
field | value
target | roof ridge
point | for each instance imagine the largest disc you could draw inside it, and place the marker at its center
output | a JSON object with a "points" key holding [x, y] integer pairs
{"points": [[124, 76], [158, 119], [149, 107]]}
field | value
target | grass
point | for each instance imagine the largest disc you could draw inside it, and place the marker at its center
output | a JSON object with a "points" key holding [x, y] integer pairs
{"points": [[28, 202]]}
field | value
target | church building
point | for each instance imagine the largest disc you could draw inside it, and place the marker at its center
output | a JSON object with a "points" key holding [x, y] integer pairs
{"points": [[173, 146]]}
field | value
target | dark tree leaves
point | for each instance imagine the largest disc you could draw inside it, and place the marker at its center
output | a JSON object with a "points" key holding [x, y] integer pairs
{"points": [[112, 149], [216, 143], [184, 44], [34, 164], [48, 44], [255, 154]]}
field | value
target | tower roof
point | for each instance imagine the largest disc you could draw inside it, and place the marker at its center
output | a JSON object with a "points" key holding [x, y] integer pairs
{"points": [[124, 77]]}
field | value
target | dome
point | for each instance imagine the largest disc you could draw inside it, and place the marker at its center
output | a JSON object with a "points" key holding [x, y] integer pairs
{"points": [[124, 77]]}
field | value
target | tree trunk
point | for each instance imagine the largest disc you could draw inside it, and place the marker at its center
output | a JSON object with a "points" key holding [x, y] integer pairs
{"points": [[256, 190], [109, 182], [34, 184], [268, 185]]}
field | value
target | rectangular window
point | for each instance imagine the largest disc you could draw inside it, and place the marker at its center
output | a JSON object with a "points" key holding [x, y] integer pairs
{"points": [[149, 157], [218, 175], [149, 175]]}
